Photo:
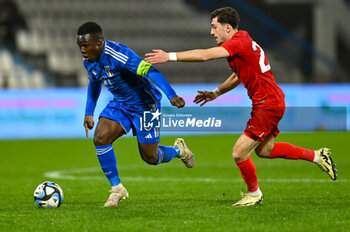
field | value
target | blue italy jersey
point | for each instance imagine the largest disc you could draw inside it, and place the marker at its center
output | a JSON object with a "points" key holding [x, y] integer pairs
{"points": [[123, 72]]}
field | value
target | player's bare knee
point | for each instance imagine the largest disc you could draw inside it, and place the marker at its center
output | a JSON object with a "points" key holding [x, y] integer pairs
{"points": [[100, 141], [237, 156]]}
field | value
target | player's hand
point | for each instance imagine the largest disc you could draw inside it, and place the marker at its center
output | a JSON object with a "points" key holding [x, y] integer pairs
{"points": [[177, 101], [203, 97], [88, 124], [157, 56]]}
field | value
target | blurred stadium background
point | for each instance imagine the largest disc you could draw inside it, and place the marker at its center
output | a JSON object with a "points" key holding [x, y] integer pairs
{"points": [[43, 93], [307, 43]]}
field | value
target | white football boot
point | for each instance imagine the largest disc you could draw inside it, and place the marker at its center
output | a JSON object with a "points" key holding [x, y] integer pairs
{"points": [[118, 193], [186, 155]]}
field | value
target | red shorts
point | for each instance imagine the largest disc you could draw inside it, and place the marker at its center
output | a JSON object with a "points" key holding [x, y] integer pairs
{"points": [[264, 121]]}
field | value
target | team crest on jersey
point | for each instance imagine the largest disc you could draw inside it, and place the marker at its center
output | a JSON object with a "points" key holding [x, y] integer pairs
{"points": [[108, 71]]}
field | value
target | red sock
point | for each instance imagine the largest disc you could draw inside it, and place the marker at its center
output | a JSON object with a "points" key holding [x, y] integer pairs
{"points": [[289, 151], [248, 172]]}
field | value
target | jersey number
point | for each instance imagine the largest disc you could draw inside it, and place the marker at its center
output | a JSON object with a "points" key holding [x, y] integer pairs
{"points": [[263, 67]]}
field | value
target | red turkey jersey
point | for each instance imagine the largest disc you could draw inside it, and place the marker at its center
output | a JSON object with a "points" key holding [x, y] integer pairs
{"points": [[247, 59]]}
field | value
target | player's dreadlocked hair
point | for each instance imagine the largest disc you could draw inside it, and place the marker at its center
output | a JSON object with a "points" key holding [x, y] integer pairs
{"points": [[226, 15], [90, 28]]}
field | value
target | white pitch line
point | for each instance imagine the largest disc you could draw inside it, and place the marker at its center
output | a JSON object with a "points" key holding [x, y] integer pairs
{"points": [[69, 174]]}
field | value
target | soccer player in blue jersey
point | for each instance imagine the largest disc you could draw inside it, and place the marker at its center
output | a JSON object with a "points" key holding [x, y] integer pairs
{"points": [[129, 79]]}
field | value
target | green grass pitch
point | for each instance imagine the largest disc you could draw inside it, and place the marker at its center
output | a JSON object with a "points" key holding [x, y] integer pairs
{"points": [[171, 197]]}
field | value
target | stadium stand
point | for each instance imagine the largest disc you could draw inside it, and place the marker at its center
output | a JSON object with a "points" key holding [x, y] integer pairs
{"points": [[16, 74], [141, 25], [171, 25]]}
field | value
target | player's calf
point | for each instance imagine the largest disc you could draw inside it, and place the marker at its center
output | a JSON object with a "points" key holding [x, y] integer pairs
{"points": [[149, 153], [152, 160]]}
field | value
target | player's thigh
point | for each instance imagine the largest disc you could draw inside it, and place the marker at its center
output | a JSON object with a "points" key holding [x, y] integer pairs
{"points": [[147, 142], [264, 122], [107, 131], [264, 149], [149, 152], [243, 148]]}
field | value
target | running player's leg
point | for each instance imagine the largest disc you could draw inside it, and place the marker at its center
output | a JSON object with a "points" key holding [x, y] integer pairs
{"points": [[154, 154], [263, 120], [242, 150], [107, 131], [270, 149]]}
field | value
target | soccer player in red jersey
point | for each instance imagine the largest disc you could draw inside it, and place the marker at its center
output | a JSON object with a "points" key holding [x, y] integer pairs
{"points": [[251, 67]]}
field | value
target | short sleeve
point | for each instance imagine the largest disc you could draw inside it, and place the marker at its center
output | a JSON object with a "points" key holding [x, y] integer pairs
{"points": [[127, 59], [132, 60], [233, 46]]}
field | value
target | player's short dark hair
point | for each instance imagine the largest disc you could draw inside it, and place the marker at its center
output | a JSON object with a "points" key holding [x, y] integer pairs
{"points": [[226, 15], [90, 28]]}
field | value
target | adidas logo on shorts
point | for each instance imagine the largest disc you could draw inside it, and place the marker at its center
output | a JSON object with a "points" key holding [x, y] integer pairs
{"points": [[149, 136]]}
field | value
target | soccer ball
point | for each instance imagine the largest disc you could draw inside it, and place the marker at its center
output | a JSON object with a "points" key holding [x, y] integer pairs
{"points": [[48, 195]]}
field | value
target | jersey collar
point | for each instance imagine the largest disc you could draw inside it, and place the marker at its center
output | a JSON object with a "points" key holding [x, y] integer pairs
{"points": [[103, 52]]}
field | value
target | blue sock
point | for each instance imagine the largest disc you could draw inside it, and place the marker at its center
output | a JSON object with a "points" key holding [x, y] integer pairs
{"points": [[108, 161], [167, 153]]}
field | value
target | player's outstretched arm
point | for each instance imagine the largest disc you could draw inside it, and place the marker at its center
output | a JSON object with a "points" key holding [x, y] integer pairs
{"points": [[198, 55], [205, 96], [158, 56], [164, 85], [230, 83]]}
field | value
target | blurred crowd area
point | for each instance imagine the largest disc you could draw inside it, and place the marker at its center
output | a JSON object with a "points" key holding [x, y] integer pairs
{"points": [[306, 41]]}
